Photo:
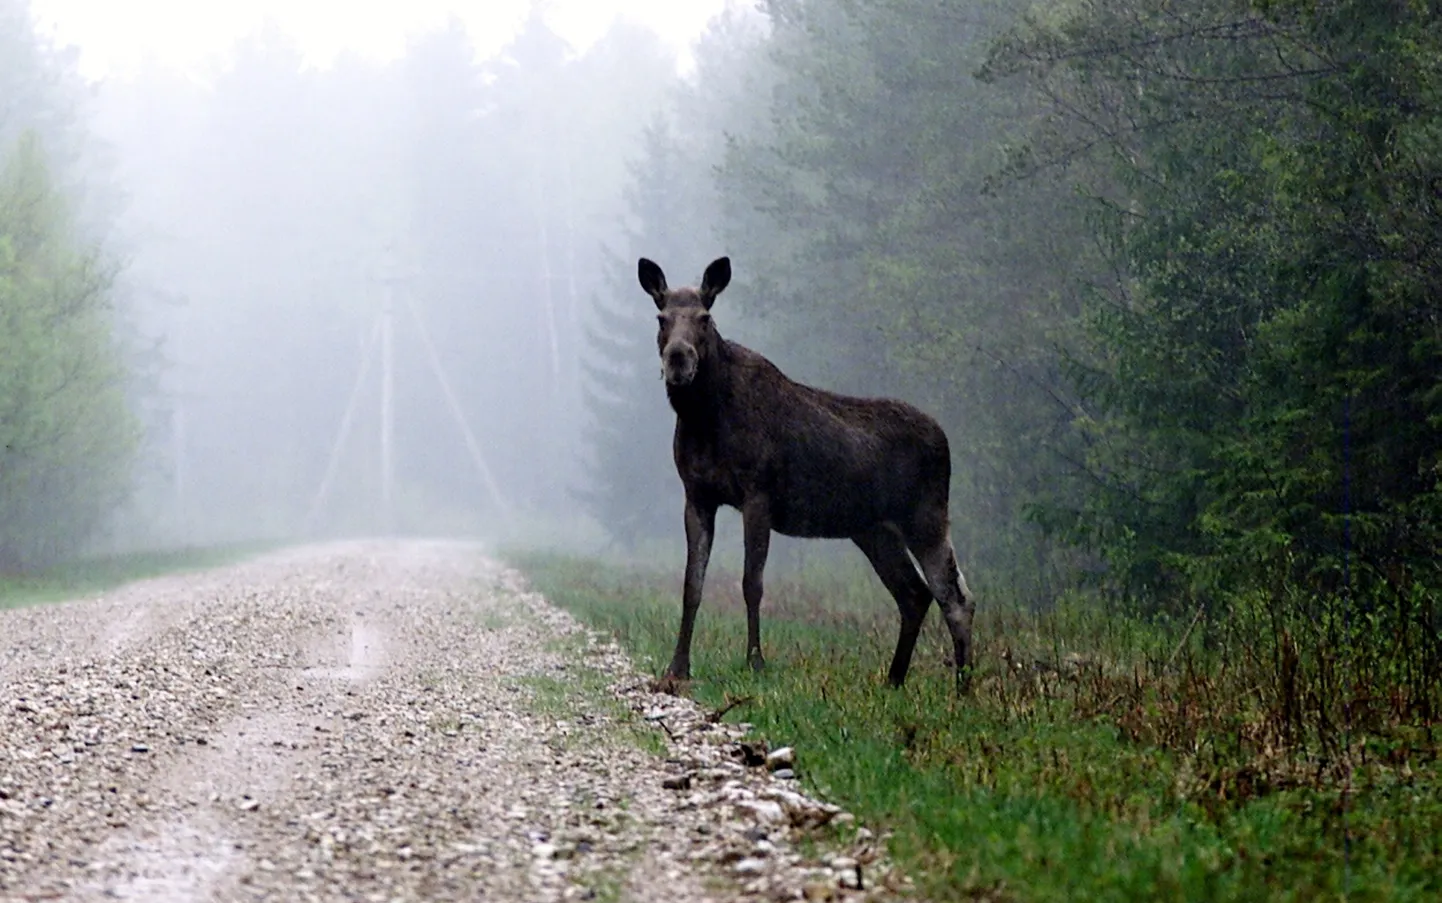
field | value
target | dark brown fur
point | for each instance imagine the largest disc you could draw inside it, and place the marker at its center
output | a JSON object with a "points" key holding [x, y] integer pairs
{"points": [[803, 462]]}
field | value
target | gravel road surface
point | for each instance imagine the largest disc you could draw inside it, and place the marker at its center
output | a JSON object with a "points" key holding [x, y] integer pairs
{"points": [[379, 721]]}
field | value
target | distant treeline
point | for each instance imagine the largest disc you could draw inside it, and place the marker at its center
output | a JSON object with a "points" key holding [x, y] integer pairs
{"points": [[1168, 273]]}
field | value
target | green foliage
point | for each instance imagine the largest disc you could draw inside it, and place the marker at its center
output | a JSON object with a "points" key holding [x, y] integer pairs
{"points": [[1168, 277], [1261, 386], [1168, 274], [1098, 758], [883, 258], [66, 435]]}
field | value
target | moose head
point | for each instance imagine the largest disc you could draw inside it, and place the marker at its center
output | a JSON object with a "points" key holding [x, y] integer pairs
{"points": [[687, 338]]}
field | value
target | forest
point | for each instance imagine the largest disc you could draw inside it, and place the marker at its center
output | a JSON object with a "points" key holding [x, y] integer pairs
{"points": [[1170, 276]]}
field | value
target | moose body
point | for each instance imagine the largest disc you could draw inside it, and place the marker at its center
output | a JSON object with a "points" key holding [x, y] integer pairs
{"points": [[802, 462]]}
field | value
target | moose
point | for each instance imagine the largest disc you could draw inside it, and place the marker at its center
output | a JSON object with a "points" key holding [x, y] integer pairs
{"points": [[803, 462]]}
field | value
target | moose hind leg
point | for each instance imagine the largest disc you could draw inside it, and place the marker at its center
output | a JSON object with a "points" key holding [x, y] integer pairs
{"points": [[938, 562], [886, 551]]}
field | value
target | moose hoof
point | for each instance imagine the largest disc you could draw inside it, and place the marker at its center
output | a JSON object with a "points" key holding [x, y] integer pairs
{"points": [[757, 663], [670, 685]]}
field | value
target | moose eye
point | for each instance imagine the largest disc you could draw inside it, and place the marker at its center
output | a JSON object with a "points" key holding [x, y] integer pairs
{"points": [[703, 318], [660, 319]]}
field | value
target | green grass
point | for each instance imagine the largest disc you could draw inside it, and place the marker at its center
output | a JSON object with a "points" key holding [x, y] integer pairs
{"points": [[1128, 780], [91, 575], [581, 688]]}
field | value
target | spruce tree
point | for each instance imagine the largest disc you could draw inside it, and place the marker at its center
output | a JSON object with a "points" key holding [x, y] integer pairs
{"points": [[632, 489]]}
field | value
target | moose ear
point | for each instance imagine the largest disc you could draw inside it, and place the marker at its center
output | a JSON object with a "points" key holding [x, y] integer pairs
{"points": [[653, 281], [716, 278]]}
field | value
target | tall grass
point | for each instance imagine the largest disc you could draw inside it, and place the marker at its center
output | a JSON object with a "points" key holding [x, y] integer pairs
{"points": [[1098, 757]]}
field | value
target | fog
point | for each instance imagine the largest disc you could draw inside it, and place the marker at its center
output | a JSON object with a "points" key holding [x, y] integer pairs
{"points": [[368, 283], [323, 277], [389, 288]]}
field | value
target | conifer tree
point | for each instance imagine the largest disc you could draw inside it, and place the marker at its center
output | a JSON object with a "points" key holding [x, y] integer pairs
{"points": [[633, 490]]}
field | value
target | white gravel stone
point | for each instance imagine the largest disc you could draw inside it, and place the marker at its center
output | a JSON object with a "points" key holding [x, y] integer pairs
{"points": [[784, 757]]}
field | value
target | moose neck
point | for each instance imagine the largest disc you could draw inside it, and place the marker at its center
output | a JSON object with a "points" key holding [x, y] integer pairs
{"points": [[699, 403]]}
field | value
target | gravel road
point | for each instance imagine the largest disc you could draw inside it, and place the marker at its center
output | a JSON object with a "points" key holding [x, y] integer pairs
{"points": [[379, 721]]}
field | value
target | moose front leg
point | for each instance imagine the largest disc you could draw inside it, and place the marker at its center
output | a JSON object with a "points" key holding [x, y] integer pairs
{"points": [[700, 527], [756, 525]]}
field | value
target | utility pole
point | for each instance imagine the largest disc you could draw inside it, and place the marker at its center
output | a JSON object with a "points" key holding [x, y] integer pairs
{"points": [[457, 413], [388, 413], [389, 278], [181, 469], [392, 279], [177, 454], [333, 463]]}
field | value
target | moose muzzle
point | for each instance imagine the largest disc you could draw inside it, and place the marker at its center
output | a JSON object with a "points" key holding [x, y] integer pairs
{"points": [[678, 364]]}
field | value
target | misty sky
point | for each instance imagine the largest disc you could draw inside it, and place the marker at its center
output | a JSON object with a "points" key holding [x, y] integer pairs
{"points": [[113, 36]]}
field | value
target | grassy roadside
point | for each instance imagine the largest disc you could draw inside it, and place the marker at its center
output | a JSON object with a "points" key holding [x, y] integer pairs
{"points": [[91, 575], [584, 688], [1087, 765]]}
